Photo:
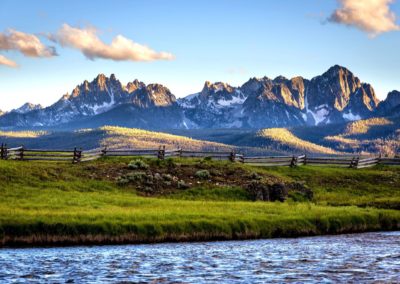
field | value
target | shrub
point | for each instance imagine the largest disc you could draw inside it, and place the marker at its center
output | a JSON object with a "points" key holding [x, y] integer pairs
{"points": [[138, 165], [157, 176], [182, 184], [122, 181], [255, 176], [136, 176], [170, 163], [167, 177], [203, 174]]}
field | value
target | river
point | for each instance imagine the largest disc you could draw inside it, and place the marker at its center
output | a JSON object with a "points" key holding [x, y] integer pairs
{"points": [[366, 258]]}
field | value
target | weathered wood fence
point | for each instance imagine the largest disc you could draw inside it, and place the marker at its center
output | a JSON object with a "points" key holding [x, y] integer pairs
{"points": [[357, 162], [78, 155]]}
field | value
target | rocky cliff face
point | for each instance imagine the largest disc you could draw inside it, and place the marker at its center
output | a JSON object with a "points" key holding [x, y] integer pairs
{"points": [[391, 105], [217, 105], [336, 96]]}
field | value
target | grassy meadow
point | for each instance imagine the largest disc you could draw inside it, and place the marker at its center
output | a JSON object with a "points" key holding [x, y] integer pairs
{"points": [[44, 203]]}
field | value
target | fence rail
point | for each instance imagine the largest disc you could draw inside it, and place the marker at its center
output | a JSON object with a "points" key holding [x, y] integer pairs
{"points": [[78, 155]]}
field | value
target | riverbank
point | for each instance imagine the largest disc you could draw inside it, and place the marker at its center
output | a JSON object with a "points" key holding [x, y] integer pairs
{"points": [[61, 204]]}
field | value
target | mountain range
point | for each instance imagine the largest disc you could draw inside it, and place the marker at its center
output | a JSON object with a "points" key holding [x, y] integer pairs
{"points": [[336, 96]]}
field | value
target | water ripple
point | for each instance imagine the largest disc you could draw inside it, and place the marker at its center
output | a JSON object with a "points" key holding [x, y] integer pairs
{"points": [[367, 258]]}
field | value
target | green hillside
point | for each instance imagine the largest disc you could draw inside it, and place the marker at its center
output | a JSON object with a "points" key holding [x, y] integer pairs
{"points": [[107, 201]]}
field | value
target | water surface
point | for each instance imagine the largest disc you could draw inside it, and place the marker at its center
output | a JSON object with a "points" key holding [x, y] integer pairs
{"points": [[369, 257]]}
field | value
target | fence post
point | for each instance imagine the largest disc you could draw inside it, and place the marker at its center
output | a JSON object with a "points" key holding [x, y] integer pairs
{"points": [[74, 157], [232, 156], [293, 163], [357, 160], [2, 151], [180, 152], [5, 154], [104, 151], [21, 153], [352, 162], [77, 156], [161, 152], [305, 158]]}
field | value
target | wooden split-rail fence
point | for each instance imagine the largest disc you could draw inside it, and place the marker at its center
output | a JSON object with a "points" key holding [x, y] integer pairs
{"points": [[78, 155]]}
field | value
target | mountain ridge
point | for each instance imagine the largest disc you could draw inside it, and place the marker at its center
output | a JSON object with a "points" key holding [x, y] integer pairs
{"points": [[336, 96]]}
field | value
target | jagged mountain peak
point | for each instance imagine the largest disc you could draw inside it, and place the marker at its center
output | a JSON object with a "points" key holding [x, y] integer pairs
{"points": [[280, 79], [100, 78], [254, 85], [391, 105], [154, 95], [393, 98], [336, 69], [339, 73], [64, 97], [27, 107], [333, 88], [134, 85], [216, 87]]}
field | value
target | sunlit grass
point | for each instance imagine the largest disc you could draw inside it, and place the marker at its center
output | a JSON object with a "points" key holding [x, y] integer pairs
{"points": [[22, 134], [59, 203], [285, 137]]}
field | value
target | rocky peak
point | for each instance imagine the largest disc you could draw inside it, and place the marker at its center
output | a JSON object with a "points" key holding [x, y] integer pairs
{"points": [[280, 79], [27, 107], [391, 102], [254, 85], [361, 104], [369, 97], [212, 88], [153, 95], [393, 99], [333, 88], [101, 81], [134, 85]]}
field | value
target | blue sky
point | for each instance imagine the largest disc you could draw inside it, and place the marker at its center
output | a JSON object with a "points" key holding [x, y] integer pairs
{"points": [[218, 40]]}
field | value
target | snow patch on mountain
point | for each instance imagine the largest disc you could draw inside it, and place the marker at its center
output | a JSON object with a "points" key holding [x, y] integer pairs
{"points": [[236, 100], [106, 105], [320, 113], [351, 117]]}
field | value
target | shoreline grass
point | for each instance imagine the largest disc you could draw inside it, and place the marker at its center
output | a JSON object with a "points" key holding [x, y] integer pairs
{"points": [[44, 204]]}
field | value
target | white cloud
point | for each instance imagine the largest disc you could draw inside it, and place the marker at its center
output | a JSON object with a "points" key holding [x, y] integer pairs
{"points": [[121, 48], [7, 62], [371, 16], [28, 44]]}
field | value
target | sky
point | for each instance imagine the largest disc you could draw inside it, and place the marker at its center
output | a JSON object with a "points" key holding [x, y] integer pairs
{"points": [[49, 47]]}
